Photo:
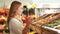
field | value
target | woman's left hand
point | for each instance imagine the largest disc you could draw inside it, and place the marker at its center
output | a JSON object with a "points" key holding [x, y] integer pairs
{"points": [[24, 24]]}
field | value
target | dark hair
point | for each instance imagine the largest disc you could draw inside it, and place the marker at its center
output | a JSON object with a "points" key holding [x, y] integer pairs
{"points": [[24, 6], [14, 7]]}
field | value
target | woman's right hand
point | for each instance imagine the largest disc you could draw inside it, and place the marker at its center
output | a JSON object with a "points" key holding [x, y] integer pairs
{"points": [[26, 29], [29, 21]]}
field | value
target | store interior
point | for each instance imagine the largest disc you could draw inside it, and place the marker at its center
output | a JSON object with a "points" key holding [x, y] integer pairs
{"points": [[45, 15]]}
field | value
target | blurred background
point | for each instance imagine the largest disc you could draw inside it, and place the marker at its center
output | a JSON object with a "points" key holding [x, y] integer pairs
{"points": [[35, 8]]}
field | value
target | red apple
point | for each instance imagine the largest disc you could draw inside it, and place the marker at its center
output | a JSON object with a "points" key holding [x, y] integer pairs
{"points": [[1, 27], [6, 11], [1, 13]]}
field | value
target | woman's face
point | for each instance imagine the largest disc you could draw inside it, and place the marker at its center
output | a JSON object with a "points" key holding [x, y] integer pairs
{"points": [[19, 11]]}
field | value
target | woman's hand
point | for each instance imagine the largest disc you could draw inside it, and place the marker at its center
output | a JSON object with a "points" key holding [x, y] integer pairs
{"points": [[29, 20], [24, 24]]}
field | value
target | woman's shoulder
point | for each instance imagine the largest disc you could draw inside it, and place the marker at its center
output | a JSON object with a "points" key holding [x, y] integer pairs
{"points": [[13, 20]]}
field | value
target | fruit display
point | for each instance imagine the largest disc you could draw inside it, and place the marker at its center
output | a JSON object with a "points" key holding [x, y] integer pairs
{"points": [[1, 27], [6, 11], [3, 18], [53, 23], [1, 12], [49, 18]]}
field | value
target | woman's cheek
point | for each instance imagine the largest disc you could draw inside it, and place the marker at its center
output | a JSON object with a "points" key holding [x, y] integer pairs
{"points": [[20, 12]]}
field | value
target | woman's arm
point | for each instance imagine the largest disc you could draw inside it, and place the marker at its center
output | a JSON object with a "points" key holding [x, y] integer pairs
{"points": [[26, 29]]}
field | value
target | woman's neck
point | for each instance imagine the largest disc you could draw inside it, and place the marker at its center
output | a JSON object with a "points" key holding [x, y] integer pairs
{"points": [[17, 17]]}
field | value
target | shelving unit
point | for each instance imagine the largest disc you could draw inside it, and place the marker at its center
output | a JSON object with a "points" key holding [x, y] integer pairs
{"points": [[38, 25]]}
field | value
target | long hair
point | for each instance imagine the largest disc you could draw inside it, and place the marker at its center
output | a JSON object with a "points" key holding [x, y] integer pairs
{"points": [[14, 7]]}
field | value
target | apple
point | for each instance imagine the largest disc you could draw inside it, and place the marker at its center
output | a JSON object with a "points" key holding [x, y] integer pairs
{"points": [[6, 11], [1, 27]]}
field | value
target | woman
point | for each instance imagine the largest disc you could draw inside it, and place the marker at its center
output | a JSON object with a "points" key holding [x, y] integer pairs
{"points": [[14, 22]]}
